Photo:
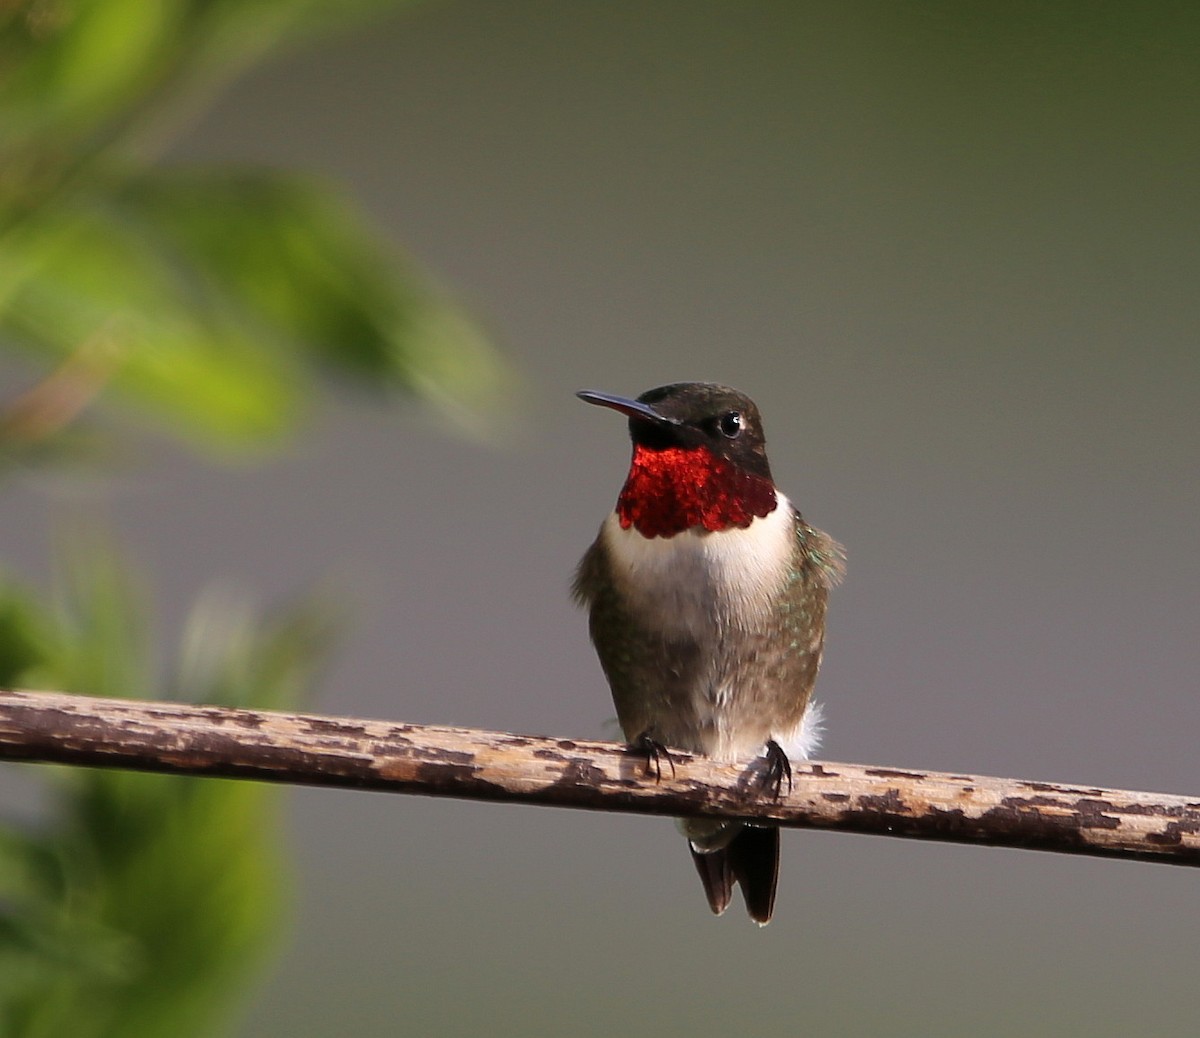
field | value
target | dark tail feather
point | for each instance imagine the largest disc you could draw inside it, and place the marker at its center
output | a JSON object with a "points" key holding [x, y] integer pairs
{"points": [[716, 874], [754, 860], [751, 859]]}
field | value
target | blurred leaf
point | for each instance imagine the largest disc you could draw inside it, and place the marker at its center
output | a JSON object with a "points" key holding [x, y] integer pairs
{"points": [[137, 907], [294, 261], [232, 656], [207, 293], [24, 635], [220, 296], [72, 64], [92, 276], [102, 637]]}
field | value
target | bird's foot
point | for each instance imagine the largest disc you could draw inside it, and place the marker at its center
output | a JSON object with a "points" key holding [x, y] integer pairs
{"points": [[777, 770], [654, 752]]}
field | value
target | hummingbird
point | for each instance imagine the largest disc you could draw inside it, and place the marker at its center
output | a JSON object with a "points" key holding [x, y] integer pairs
{"points": [[706, 593]]}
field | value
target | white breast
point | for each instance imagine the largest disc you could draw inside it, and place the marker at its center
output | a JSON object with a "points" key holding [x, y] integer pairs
{"points": [[698, 580]]}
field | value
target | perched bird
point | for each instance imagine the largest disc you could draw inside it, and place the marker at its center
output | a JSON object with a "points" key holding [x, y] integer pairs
{"points": [[706, 592]]}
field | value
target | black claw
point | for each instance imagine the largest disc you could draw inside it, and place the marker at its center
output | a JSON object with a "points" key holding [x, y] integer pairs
{"points": [[778, 768], [655, 753]]}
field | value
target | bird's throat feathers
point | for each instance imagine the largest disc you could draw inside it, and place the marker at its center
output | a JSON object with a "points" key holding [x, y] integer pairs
{"points": [[679, 488]]}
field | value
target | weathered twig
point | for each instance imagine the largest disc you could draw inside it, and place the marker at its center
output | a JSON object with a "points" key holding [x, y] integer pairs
{"points": [[479, 765]]}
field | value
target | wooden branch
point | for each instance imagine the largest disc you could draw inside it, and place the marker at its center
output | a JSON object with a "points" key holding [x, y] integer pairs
{"points": [[479, 765]]}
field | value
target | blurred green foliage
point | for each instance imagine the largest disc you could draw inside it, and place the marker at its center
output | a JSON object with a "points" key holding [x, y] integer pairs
{"points": [[135, 908], [208, 303]]}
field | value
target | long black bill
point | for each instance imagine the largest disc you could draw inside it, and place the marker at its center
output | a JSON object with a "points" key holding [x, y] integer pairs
{"points": [[632, 408]]}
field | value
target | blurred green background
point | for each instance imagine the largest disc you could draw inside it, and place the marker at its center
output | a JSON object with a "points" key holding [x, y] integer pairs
{"points": [[952, 252]]}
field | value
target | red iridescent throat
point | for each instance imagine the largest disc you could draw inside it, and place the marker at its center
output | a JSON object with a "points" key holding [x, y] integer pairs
{"points": [[669, 491]]}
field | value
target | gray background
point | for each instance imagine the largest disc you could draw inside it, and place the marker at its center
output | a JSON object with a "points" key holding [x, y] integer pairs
{"points": [[951, 250]]}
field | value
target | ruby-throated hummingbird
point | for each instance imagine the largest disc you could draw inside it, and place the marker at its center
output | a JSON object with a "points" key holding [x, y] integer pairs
{"points": [[706, 592]]}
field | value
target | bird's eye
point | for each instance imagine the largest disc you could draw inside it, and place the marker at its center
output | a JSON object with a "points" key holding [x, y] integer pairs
{"points": [[730, 424]]}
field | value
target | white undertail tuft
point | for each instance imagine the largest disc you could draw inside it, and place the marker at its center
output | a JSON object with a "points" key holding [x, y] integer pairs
{"points": [[804, 740]]}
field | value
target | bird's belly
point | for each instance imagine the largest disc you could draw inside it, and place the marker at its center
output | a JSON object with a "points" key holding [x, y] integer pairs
{"points": [[715, 661]]}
